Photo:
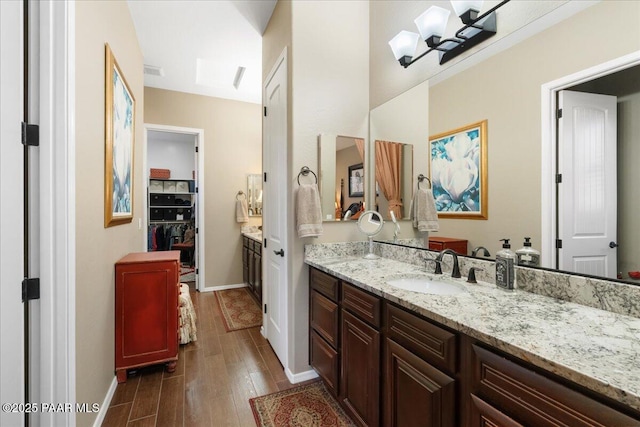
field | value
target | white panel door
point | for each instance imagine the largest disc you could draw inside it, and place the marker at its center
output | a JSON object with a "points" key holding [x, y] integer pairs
{"points": [[275, 209], [587, 195], [11, 212]]}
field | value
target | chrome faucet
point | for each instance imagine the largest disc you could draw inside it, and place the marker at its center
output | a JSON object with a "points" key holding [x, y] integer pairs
{"points": [[485, 251], [455, 272]]}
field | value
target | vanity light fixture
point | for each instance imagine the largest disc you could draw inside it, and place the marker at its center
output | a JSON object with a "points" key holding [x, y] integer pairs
{"points": [[431, 25]]}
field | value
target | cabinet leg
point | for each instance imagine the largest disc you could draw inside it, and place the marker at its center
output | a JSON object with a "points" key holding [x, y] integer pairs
{"points": [[121, 376], [171, 366]]}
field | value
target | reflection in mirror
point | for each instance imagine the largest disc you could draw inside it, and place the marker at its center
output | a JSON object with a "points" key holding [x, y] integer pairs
{"points": [[341, 176], [370, 223], [515, 168], [254, 194], [394, 177]]}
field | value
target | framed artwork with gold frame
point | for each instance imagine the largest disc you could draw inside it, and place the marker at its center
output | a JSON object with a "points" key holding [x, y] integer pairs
{"points": [[119, 144], [458, 172]]}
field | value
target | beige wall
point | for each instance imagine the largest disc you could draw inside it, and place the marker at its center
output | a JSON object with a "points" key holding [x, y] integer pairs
{"points": [[232, 149], [98, 248], [505, 90]]}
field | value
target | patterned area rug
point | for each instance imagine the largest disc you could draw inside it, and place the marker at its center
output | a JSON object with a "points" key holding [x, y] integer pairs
{"points": [[187, 274], [304, 406], [239, 309]]}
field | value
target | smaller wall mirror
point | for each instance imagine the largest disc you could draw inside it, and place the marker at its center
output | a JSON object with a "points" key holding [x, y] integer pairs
{"points": [[341, 176], [254, 194], [370, 223]]}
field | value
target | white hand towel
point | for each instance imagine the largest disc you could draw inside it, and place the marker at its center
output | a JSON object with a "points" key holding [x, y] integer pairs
{"points": [[242, 215], [423, 211], [308, 211]]}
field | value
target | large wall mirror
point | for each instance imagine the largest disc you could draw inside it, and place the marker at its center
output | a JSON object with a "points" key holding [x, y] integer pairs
{"points": [[506, 91], [254, 194], [341, 176]]}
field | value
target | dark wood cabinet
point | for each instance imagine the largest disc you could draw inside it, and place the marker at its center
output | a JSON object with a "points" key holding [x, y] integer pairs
{"points": [[441, 243], [252, 266], [324, 328], [415, 392], [529, 397], [360, 370], [388, 365], [146, 311]]}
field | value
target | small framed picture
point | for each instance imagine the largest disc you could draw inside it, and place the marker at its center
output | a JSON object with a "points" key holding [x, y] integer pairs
{"points": [[356, 180]]}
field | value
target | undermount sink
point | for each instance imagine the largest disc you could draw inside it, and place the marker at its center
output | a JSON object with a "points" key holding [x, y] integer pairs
{"points": [[425, 285]]}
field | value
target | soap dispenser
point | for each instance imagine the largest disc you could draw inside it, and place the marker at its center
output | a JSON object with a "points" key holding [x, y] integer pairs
{"points": [[528, 256], [505, 271]]}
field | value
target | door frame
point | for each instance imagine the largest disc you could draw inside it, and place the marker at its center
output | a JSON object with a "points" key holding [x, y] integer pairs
{"points": [[200, 219], [549, 134]]}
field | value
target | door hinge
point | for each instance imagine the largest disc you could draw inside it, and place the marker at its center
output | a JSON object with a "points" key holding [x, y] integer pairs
{"points": [[30, 289], [265, 243], [196, 148], [265, 111], [30, 135], [558, 243], [558, 178], [265, 177], [559, 113], [197, 230], [265, 309], [198, 272], [196, 189]]}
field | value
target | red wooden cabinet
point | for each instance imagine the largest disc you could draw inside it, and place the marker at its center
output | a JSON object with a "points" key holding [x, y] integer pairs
{"points": [[441, 243], [146, 326]]}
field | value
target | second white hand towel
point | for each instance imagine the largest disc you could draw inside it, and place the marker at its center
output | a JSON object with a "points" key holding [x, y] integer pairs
{"points": [[242, 214], [423, 211], [308, 211]]}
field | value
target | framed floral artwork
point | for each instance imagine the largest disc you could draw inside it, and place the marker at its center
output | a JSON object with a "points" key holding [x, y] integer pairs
{"points": [[119, 144], [458, 172], [356, 180]]}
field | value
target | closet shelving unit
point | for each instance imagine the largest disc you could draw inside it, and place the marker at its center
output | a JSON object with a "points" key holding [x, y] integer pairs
{"points": [[169, 202]]}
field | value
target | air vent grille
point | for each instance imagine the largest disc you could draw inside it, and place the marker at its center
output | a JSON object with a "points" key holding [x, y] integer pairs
{"points": [[152, 70]]}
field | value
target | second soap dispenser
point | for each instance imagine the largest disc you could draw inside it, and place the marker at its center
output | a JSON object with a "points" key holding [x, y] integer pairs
{"points": [[528, 256]]}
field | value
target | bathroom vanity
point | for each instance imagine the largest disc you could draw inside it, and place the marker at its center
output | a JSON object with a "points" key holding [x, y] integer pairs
{"points": [[252, 264], [484, 357]]}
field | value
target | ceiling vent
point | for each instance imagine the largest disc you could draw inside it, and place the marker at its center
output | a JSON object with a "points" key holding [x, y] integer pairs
{"points": [[152, 70]]}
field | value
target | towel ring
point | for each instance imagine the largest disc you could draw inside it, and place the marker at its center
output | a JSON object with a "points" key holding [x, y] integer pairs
{"points": [[240, 193], [305, 171], [422, 178]]}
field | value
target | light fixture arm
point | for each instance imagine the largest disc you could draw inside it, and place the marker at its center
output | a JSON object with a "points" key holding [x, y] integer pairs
{"points": [[487, 29]]}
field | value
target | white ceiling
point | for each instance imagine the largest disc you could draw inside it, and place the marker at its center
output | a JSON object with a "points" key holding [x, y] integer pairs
{"points": [[200, 44]]}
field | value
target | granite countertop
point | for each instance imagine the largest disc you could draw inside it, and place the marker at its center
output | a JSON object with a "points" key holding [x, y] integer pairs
{"points": [[597, 349], [255, 235]]}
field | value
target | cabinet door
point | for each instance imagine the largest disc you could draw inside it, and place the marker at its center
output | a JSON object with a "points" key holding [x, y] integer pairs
{"points": [[324, 360], [485, 415], [257, 277], [415, 392], [252, 270], [245, 265], [360, 370]]}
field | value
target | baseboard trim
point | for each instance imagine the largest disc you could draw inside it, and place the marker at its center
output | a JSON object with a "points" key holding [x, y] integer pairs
{"points": [[105, 404], [302, 376], [223, 287]]}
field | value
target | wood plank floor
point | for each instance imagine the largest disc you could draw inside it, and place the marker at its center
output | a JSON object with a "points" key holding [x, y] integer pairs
{"points": [[214, 380]]}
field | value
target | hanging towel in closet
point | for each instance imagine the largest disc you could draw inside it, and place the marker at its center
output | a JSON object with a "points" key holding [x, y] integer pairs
{"points": [[308, 211]]}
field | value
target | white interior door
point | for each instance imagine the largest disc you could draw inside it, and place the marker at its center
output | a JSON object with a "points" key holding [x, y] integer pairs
{"points": [[11, 212], [587, 206], [275, 205]]}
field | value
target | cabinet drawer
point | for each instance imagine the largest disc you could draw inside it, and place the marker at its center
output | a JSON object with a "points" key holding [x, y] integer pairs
{"points": [[533, 399], [432, 343], [325, 284], [325, 361], [245, 241], [325, 317], [363, 304]]}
